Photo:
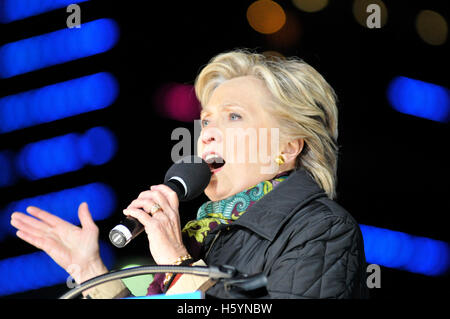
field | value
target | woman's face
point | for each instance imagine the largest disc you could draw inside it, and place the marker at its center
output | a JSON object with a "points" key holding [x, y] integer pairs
{"points": [[237, 129]]}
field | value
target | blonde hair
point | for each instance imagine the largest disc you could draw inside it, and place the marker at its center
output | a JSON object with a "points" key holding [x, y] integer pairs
{"points": [[303, 103]]}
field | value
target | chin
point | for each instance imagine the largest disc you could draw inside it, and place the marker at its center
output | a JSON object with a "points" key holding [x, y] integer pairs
{"points": [[212, 192], [212, 195]]}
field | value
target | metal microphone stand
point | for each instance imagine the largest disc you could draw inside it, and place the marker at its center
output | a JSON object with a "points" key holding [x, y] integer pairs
{"points": [[226, 273]]}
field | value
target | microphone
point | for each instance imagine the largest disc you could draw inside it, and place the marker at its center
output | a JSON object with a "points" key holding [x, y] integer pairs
{"points": [[188, 178]]}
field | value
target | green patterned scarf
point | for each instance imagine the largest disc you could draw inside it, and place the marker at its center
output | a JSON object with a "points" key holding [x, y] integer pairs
{"points": [[225, 211]]}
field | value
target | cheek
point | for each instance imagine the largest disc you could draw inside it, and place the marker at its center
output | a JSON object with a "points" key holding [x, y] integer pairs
{"points": [[240, 150], [268, 145], [260, 148], [199, 147], [252, 146]]}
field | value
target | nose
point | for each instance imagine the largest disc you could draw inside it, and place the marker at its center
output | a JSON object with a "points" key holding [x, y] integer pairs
{"points": [[211, 134]]}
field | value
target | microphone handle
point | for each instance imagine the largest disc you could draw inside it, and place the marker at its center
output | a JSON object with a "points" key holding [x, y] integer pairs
{"points": [[124, 232], [130, 227]]}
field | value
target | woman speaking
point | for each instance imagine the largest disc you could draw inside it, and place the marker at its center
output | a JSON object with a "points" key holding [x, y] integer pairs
{"points": [[281, 221]]}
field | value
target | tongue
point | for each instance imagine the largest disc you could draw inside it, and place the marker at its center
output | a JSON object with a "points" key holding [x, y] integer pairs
{"points": [[215, 165]]}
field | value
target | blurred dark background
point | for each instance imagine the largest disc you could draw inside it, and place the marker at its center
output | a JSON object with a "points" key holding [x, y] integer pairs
{"points": [[393, 167]]}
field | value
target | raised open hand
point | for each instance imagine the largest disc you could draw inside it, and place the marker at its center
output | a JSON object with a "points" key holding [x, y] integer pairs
{"points": [[74, 248]]}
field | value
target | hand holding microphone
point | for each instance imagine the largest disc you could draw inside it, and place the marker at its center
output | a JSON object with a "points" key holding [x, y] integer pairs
{"points": [[156, 210], [162, 227]]}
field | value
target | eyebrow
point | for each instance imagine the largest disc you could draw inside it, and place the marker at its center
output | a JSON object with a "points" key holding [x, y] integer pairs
{"points": [[222, 106]]}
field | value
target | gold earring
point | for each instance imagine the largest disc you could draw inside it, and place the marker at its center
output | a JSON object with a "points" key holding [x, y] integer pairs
{"points": [[279, 160]]}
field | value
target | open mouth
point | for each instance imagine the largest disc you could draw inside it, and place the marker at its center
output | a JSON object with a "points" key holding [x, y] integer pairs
{"points": [[215, 162]]}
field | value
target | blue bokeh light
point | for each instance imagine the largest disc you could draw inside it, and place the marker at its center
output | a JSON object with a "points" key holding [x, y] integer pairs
{"points": [[100, 198], [418, 98], [57, 47], [97, 146], [38, 270], [402, 251], [57, 101], [12, 10], [65, 153], [7, 171]]}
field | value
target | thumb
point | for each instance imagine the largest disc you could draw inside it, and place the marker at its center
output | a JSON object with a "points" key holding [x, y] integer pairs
{"points": [[85, 216]]}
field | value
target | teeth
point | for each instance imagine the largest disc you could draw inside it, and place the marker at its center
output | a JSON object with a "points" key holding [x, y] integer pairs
{"points": [[212, 157]]}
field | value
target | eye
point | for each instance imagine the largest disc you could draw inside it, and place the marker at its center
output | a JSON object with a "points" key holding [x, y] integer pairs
{"points": [[235, 116], [205, 122]]}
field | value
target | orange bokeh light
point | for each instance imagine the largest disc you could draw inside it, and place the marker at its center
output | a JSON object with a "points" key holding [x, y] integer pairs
{"points": [[431, 27], [266, 16]]}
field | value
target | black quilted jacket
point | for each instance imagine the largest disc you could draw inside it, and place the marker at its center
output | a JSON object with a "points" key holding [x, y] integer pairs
{"points": [[306, 244]]}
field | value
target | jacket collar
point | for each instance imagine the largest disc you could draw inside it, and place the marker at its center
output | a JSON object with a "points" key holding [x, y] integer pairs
{"points": [[269, 214]]}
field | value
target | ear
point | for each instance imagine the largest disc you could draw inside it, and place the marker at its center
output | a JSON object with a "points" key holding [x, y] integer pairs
{"points": [[290, 152]]}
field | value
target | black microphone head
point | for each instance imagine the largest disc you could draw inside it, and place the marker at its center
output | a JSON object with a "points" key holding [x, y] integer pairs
{"points": [[193, 173]]}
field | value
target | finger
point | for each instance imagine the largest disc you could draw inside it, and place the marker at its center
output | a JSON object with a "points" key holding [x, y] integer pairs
{"points": [[34, 227], [145, 194], [161, 199], [85, 217], [127, 211], [46, 217], [157, 198], [23, 218], [153, 197], [147, 204], [143, 217], [34, 240], [44, 243], [170, 219], [167, 221], [171, 196]]}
